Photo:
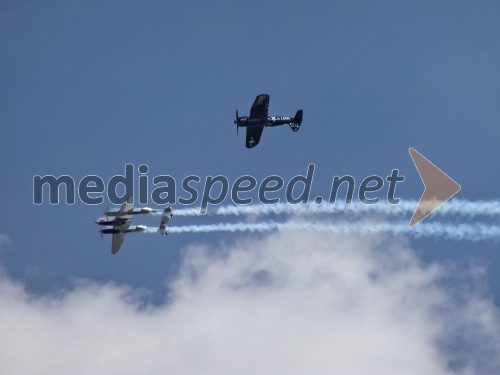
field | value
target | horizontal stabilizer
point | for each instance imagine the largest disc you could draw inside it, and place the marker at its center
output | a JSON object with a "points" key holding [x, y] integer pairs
{"points": [[168, 213]]}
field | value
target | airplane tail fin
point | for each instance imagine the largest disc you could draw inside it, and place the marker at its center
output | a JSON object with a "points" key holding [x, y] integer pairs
{"points": [[297, 120]]}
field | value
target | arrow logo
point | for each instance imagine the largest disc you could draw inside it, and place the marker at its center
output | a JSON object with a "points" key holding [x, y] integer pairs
{"points": [[439, 187]]}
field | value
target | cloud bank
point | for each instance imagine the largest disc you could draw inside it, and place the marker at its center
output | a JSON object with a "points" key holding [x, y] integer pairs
{"points": [[289, 302]]}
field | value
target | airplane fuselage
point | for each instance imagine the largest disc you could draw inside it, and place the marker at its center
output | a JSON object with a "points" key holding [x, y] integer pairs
{"points": [[269, 121], [113, 222]]}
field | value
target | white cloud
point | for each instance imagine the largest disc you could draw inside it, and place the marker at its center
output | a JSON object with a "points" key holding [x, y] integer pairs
{"points": [[294, 303], [4, 241]]}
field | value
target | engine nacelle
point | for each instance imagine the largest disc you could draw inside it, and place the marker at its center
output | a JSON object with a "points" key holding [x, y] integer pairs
{"points": [[109, 231]]}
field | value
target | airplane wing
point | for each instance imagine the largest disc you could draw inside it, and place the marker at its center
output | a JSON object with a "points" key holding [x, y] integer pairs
{"points": [[253, 135], [259, 107], [125, 209], [118, 239], [122, 226]]}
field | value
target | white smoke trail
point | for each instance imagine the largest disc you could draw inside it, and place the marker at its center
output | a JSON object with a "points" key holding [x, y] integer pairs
{"points": [[458, 208], [149, 230], [471, 232], [453, 207]]}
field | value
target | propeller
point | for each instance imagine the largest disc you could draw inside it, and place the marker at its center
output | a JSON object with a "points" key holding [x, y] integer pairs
{"points": [[237, 122]]}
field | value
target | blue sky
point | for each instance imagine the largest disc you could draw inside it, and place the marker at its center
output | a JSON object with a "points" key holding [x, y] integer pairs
{"points": [[88, 87]]}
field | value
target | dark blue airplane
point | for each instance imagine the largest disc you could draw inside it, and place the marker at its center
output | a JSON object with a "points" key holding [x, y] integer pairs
{"points": [[258, 119]]}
